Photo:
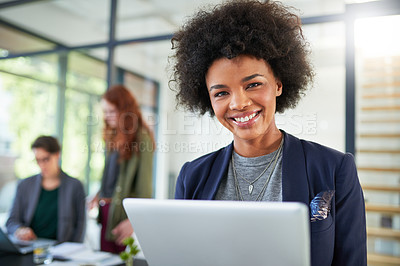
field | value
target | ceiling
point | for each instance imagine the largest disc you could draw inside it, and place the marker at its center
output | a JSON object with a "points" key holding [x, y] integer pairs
{"points": [[77, 22], [85, 22]]}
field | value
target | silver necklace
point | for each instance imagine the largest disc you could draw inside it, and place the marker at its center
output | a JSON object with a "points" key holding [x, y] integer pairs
{"points": [[251, 186], [264, 188]]}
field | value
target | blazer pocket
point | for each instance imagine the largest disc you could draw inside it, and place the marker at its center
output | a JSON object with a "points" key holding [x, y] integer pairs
{"points": [[322, 225]]}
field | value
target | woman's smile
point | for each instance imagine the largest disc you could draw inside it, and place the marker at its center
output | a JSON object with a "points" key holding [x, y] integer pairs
{"points": [[246, 119]]}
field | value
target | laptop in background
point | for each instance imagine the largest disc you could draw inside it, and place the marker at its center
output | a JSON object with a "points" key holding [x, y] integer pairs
{"points": [[9, 243], [220, 233]]}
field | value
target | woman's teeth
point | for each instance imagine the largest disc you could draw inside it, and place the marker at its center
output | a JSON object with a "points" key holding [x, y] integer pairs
{"points": [[246, 118]]}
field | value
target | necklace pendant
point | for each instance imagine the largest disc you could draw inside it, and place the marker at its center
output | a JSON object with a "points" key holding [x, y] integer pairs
{"points": [[251, 188]]}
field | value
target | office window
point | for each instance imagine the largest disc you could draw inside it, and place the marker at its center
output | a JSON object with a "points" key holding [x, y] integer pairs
{"points": [[83, 152], [43, 68], [377, 131], [27, 110], [29, 107]]}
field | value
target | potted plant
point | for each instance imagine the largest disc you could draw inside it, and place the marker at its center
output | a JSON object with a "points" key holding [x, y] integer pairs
{"points": [[130, 251]]}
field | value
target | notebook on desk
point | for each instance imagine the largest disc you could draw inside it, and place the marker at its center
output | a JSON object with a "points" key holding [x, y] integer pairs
{"points": [[220, 233], [8, 243]]}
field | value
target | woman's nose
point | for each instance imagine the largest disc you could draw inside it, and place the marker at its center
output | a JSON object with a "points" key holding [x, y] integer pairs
{"points": [[239, 100]]}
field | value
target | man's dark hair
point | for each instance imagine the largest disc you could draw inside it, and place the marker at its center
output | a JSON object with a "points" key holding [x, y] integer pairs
{"points": [[48, 143]]}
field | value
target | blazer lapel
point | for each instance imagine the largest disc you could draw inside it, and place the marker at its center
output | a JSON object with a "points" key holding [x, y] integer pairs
{"points": [[294, 175], [33, 201], [218, 171], [63, 207]]}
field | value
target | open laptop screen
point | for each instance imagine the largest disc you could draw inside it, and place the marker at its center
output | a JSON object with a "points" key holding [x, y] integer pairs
{"points": [[220, 233]]}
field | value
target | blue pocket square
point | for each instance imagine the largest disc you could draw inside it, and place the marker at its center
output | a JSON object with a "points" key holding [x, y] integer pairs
{"points": [[321, 205]]}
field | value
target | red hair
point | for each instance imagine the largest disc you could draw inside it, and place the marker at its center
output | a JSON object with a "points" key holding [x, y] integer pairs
{"points": [[124, 138]]}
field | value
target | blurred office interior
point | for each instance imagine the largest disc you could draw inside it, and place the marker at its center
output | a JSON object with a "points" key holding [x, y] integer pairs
{"points": [[57, 58]]}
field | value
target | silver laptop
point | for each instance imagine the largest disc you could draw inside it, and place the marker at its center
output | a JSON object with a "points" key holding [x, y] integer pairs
{"points": [[220, 233], [9, 243]]}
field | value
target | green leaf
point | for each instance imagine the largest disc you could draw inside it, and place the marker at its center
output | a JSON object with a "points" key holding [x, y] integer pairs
{"points": [[134, 250], [128, 241], [124, 255]]}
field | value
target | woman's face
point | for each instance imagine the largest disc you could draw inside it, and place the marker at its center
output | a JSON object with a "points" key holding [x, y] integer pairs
{"points": [[48, 162], [110, 113], [243, 93]]}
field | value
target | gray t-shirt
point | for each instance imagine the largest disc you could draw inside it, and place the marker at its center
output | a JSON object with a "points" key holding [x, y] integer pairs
{"points": [[249, 169]]}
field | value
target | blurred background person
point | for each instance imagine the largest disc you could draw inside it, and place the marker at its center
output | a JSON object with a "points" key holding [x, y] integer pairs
{"points": [[128, 166], [50, 204]]}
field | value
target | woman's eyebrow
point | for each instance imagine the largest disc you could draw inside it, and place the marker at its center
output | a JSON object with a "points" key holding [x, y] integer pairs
{"points": [[251, 77], [220, 86], [217, 86]]}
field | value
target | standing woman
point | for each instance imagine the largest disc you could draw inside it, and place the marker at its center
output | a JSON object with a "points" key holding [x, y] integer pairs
{"points": [[128, 166], [243, 61], [50, 204]]}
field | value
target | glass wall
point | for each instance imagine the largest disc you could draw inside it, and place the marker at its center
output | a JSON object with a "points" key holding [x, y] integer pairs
{"points": [[82, 142], [28, 109], [378, 128]]}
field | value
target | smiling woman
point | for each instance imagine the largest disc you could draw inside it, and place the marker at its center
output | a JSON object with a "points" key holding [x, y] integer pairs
{"points": [[243, 61]]}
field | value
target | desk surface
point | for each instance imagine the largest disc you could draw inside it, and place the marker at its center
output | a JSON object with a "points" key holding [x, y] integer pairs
{"points": [[9, 259]]}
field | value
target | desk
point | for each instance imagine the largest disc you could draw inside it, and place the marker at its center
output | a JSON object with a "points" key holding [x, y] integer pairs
{"points": [[9, 259]]}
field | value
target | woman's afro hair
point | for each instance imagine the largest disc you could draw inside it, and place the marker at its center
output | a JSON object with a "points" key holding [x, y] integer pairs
{"points": [[267, 31]]}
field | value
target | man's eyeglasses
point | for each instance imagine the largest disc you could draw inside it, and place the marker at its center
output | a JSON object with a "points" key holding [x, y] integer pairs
{"points": [[43, 160]]}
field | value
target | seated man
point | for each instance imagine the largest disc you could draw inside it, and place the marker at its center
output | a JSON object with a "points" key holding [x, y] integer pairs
{"points": [[50, 204]]}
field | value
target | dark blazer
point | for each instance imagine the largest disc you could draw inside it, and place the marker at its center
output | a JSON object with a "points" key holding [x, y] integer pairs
{"points": [[307, 169], [71, 207]]}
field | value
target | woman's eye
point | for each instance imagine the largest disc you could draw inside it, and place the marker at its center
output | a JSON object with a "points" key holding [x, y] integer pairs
{"points": [[253, 85], [221, 93]]}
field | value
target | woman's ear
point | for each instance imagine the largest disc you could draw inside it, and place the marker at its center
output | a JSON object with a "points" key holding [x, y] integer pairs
{"points": [[279, 88]]}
